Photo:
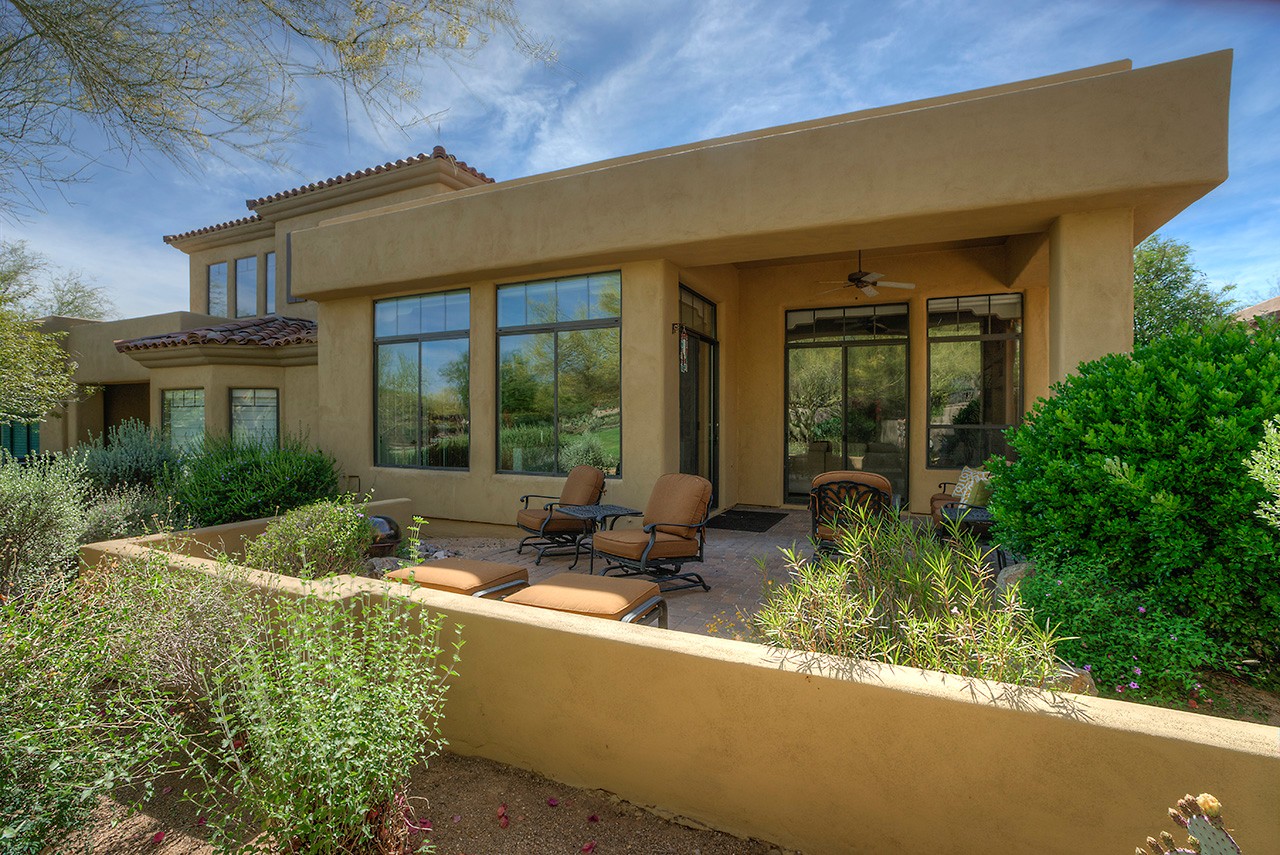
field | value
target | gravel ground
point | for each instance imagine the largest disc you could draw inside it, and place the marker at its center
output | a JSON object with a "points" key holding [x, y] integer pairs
{"points": [[465, 799]]}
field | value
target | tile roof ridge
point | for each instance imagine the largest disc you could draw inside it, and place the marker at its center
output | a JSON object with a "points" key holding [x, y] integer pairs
{"points": [[252, 218]]}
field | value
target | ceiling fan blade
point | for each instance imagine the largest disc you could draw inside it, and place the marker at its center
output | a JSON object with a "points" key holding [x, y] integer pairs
{"points": [[869, 278], [904, 285], [869, 290], [833, 290], [833, 282]]}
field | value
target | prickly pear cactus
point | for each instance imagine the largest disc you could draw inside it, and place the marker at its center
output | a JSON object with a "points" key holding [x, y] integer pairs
{"points": [[1201, 816]]}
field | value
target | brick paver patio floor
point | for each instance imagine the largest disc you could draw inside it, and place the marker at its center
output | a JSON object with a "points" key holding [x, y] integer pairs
{"points": [[733, 568]]}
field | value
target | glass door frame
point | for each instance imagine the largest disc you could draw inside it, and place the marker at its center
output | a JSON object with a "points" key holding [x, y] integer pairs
{"points": [[843, 345], [713, 372]]}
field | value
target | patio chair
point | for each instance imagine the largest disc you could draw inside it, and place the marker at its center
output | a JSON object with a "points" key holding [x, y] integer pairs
{"points": [[551, 529], [955, 493], [673, 533], [836, 499]]}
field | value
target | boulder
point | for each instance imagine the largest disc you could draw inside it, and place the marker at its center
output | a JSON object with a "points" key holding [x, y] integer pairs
{"points": [[1011, 575], [377, 568], [1077, 681]]}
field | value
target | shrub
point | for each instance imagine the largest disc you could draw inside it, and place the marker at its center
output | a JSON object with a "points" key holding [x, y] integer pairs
{"points": [[130, 510], [893, 593], [1132, 643], [131, 454], [42, 519], [1264, 467], [1137, 464], [321, 539], [586, 450], [322, 723], [227, 481]]}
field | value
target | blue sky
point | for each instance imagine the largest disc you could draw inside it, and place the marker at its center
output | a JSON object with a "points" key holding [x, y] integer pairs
{"points": [[634, 76]]}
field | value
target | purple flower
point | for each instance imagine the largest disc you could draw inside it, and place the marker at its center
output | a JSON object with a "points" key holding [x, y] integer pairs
{"points": [[1120, 689], [1142, 610], [1138, 671], [1088, 667], [1133, 685], [1059, 581]]}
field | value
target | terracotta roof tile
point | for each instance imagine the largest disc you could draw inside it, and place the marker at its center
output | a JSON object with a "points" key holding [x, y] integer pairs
{"points": [[438, 152], [252, 218], [271, 331]]}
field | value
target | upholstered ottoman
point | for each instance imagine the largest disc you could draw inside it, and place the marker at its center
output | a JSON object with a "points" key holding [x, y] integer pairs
{"points": [[627, 600], [467, 576]]}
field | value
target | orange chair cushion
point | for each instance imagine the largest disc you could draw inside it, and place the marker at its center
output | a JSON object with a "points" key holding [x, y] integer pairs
{"points": [[630, 543], [680, 499], [593, 596], [869, 478], [459, 575], [531, 519], [584, 486]]}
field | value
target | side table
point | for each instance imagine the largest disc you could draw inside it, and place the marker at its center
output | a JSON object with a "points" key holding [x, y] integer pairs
{"points": [[600, 517]]}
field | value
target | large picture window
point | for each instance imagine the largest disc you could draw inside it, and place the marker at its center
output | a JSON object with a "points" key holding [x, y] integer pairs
{"points": [[217, 290], [255, 416], [182, 417], [559, 374], [975, 377], [422, 358]]}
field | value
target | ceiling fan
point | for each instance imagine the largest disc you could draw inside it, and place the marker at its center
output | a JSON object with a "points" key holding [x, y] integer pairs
{"points": [[865, 282]]}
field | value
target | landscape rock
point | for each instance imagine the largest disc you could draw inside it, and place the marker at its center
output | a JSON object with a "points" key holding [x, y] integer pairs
{"points": [[434, 552], [1076, 681], [1013, 574], [377, 568]]}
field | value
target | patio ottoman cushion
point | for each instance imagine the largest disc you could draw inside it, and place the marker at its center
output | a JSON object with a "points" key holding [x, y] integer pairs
{"points": [[593, 596], [460, 575]]}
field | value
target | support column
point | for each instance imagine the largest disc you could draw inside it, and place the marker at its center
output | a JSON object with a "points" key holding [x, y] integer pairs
{"points": [[1090, 288]]}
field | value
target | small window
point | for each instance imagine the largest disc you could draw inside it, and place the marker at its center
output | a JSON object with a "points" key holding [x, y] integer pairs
{"points": [[271, 283], [975, 377], [422, 395], [255, 416], [217, 291], [560, 374], [182, 417], [246, 287]]}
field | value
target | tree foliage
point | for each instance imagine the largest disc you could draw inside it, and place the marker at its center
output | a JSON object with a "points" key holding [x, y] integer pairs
{"points": [[1168, 290], [35, 374], [189, 78], [33, 287]]}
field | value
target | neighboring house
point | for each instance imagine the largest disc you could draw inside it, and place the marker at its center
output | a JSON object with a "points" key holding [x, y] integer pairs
{"points": [[683, 309], [1265, 309]]}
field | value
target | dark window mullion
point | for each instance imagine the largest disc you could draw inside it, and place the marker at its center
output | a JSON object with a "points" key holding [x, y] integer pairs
{"points": [[555, 401], [422, 446]]}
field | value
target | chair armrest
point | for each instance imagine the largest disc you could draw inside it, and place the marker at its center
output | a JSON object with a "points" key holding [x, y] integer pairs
{"points": [[526, 498], [942, 487], [651, 527]]}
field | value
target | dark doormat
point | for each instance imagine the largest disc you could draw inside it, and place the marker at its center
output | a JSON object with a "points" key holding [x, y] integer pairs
{"points": [[735, 520]]}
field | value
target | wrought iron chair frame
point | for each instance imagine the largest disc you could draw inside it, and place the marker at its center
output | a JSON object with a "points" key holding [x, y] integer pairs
{"points": [[842, 497]]}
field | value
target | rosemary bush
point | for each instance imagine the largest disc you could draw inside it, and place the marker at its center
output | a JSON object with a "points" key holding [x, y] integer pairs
{"points": [[893, 593]]}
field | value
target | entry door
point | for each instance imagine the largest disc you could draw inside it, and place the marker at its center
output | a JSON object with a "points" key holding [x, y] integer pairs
{"points": [[698, 424]]}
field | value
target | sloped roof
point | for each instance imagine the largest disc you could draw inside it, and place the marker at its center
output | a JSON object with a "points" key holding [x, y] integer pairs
{"points": [[270, 331], [1267, 308], [437, 153], [252, 218]]}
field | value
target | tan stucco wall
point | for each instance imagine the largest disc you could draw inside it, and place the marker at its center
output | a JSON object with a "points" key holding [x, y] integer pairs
{"points": [[1151, 139], [256, 247], [297, 385], [1089, 254], [823, 756]]}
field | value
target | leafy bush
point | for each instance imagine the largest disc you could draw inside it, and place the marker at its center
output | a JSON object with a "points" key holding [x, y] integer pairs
{"points": [[587, 450], [42, 519], [321, 539], [128, 511], [1137, 464], [227, 481], [1264, 467], [893, 593], [131, 454], [1132, 643], [322, 723], [70, 733]]}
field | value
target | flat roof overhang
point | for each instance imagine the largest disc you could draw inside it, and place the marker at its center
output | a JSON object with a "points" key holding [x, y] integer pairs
{"points": [[993, 163]]}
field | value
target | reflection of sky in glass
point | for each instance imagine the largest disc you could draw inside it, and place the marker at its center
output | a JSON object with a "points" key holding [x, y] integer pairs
{"points": [[422, 314], [246, 287], [574, 298], [218, 289]]}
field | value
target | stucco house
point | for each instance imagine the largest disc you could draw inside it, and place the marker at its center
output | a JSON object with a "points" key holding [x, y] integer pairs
{"points": [[888, 289]]}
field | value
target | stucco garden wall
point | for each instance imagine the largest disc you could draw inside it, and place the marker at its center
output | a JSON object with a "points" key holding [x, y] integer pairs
{"points": [[822, 756]]}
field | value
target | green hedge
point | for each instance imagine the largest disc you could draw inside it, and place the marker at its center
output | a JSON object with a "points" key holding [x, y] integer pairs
{"points": [[1138, 464], [227, 481]]}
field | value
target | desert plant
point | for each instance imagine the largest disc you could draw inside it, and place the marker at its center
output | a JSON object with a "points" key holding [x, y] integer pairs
{"points": [[893, 593], [227, 481], [1201, 817], [42, 519], [321, 722], [130, 453], [586, 450], [321, 539], [1132, 643], [1137, 464]]}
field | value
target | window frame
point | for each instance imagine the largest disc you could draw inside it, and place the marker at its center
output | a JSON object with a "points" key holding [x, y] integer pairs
{"points": [[269, 280], [554, 328], [235, 288], [231, 412], [419, 338], [166, 427], [1019, 337]]}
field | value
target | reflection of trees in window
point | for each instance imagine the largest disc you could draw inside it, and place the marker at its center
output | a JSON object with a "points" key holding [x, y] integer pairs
{"points": [[217, 290], [423, 389], [975, 377], [255, 416], [182, 417], [559, 375]]}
